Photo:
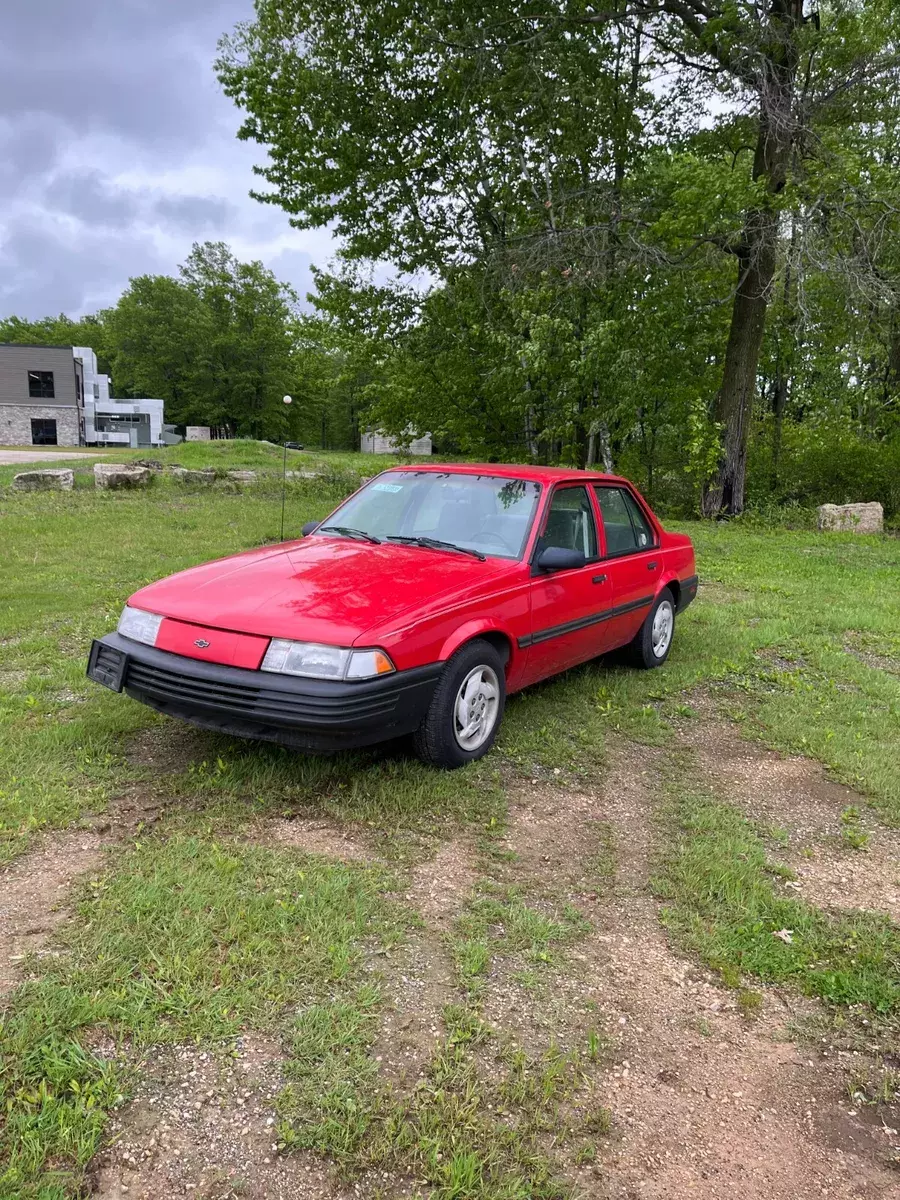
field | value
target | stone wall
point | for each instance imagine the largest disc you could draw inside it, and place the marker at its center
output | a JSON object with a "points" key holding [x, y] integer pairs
{"points": [[15, 423]]}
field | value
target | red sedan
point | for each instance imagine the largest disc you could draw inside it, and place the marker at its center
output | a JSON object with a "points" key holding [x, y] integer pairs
{"points": [[416, 607]]}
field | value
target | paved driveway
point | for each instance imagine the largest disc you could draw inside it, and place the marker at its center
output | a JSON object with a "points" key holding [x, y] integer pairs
{"points": [[11, 458]]}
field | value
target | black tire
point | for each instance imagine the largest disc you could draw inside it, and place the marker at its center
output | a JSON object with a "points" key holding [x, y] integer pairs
{"points": [[641, 652], [436, 740]]}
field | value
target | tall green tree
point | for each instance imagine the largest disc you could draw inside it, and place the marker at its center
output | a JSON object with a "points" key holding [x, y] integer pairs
{"points": [[526, 136], [157, 334]]}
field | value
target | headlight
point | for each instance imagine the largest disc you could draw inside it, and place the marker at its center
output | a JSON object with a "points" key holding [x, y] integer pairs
{"points": [[324, 662], [140, 626]]}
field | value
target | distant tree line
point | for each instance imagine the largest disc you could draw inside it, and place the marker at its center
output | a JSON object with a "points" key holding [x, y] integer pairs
{"points": [[660, 236]]}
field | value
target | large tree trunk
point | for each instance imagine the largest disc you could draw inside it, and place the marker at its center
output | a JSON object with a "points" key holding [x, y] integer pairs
{"points": [[756, 256], [734, 402]]}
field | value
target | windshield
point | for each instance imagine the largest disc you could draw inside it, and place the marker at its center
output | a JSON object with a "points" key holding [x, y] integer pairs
{"points": [[483, 513]]}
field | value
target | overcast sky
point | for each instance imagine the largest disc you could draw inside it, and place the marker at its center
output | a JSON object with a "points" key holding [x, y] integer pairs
{"points": [[118, 151]]}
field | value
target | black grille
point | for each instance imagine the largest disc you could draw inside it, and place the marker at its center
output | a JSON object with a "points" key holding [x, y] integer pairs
{"points": [[259, 703]]}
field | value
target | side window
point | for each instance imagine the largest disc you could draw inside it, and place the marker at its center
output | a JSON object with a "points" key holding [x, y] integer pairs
{"points": [[642, 528], [626, 527], [570, 522]]}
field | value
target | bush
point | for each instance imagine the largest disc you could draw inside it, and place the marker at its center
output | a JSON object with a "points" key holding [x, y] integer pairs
{"points": [[825, 464]]}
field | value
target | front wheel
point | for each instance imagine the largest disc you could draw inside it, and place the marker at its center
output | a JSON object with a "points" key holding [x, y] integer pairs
{"points": [[653, 641], [466, 709]]}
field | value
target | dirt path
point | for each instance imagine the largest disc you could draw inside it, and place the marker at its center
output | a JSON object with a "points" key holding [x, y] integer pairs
{"points": [[704, 1104], [34, 892], [795, 795]]}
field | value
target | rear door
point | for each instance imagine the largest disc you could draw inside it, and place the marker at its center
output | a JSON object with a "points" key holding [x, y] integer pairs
{"points": [[632, 560], [568, 608]]}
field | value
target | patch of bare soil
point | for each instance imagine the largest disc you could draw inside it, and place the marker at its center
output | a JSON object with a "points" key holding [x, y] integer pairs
{"points": [[203, 1125], [418, 982], [418, 978], [880, 662], [706, 1104], [168, 748], [556, 837], [316, 837], [847, 879], [34, 892], [795, 795], [440, 886]]}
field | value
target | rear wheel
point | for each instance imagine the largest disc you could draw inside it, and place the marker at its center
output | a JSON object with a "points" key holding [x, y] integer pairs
{"points": [[465, 712], [653, 641]]}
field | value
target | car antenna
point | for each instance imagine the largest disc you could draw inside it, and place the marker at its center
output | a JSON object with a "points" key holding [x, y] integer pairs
{"points": [[287, 446]]}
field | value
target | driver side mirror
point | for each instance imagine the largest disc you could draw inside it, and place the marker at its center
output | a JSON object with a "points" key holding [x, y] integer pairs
{"points": [[557, 558], [310, 527]]}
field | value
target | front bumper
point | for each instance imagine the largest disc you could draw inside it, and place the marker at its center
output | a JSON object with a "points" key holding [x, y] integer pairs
{"points": [[310, 714]]}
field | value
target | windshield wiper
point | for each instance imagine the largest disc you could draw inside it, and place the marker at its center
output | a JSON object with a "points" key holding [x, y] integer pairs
{"points": [[435, 544], [348, 531]]}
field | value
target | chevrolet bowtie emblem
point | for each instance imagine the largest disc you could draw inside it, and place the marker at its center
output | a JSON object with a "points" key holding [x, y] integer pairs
{"points": [[202, 643]]}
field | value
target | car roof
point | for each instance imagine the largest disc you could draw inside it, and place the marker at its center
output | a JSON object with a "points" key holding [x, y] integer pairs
{"points": [[511, 471]]}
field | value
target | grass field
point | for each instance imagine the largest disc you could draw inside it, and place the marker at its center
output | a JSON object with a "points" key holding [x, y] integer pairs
{"points": [[195, 928]]}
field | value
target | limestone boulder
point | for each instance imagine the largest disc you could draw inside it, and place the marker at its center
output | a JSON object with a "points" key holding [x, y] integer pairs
{"points": [[852, 518], [116, 476], [242, 476], [202, 478], [44, 481]]}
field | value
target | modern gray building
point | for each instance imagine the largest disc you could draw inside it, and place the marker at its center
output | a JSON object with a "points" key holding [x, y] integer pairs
{"points": [[41, 396], [56, 396]]}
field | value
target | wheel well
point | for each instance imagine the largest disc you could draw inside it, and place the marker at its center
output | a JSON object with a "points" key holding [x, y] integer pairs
{"points": [[501, 644], [675, 588]]}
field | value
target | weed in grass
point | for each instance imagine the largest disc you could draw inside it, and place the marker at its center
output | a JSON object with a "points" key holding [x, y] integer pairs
{"points": [[874, 1087], [852, 832], [460, 1133], [749, 1003], [598, 1121], [497, 921]]}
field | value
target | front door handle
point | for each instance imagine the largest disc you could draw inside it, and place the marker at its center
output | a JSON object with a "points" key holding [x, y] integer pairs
{"points": [[599, 579], [652, 566]]}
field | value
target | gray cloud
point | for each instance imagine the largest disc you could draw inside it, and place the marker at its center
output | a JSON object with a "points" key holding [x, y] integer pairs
{"points": [[118, 151], [196, 214], [42, 260]]}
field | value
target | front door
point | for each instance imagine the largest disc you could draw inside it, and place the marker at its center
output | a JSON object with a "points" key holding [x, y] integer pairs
{"points": [[633, 560], [569, 609]]}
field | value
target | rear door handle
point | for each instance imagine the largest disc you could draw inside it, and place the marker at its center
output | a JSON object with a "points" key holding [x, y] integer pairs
{"points": [[652, 566], [599, 579]]}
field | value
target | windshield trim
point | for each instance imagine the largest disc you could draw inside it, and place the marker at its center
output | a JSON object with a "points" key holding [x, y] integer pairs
{"points": [[523, 553]]}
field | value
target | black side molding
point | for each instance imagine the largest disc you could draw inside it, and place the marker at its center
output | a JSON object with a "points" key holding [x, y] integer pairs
{"points": [[554, 631]]}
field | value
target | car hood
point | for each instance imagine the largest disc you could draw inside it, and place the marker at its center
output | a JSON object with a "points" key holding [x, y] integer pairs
{"points": [[320, 589]]}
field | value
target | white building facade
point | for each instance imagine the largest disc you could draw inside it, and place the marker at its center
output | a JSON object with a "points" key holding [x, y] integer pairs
{"points": [[107, 422], [375, 441]]}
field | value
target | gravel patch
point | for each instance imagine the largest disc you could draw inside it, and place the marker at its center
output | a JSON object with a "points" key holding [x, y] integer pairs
{"points": [[203, 1125]]}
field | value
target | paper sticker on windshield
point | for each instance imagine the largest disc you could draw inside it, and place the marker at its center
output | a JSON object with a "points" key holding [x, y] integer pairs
{"points": [[387, 487]]}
